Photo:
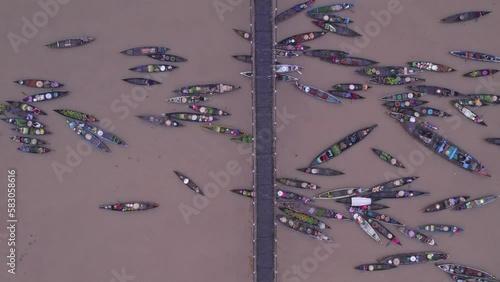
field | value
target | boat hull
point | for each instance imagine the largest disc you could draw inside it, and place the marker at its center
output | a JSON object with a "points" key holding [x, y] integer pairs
{"points": [[71, 42]]}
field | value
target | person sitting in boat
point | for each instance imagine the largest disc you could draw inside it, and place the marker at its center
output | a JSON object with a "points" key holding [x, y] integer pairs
{"points": [[425, 135], [235, 132]]}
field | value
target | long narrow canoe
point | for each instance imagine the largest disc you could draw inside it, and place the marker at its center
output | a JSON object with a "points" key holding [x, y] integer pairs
{"points": [[434, 90], [380, 217], [445, 148], [167, 58], [244, 192], [189, 183], [472, 102], [467, 16], [132, 206], [141, 81], [441, 228], [317, 93], [303, 37], [365, 226], [90, 137], [493, 140], [141, 51], [403, 96], [481, 73], [28, 140], [20, 122], [388, 158], [388, 71], [377, 226], [395, 183], [304, 217], [374, 267], [16, 111], [243, 34], [285, 53], [244, 58], [342, 145], [224, 130], [412, 233], [468, 113], [284, 68], [396, 194], [323, 53], [154, 68], [160, 120], [476, 56], [336, 28], [349, 61], [372, 207], [31, 131], [46, 96], [419, 111], [287, 14], [429, 66], [71, 42], [476, 203], [38, 83], [208, 110], [191, 117], [26, 108], [291, 47], [341, 193], [415, 258], [445, 204], [351, 87], [406, 118], [215, 88], [395, 80], [188, 99], [298, 183], [102, 134], [282, 194], [460, 278], [303, 228], [320, 171], [313, 210], [463, 270], [243, 139], [486, 98], [76, 115], [332, 8], [279, 76], [34, 149], [346, 95], [327, 17]]}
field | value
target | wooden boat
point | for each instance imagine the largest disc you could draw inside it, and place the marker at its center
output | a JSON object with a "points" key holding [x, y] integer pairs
{"points": [[395, 183], [132, 206], [87, 135], [476, 203], [191, 117], [383, 231], [76, 115], [102, 134], [468, 113], [374, 267], [330, 18], [188, 99], [202, 89], [320, 171], [141, 81], [243, 139], [412, 233], [325, 53], [154, 68], [336, 28], [303, 37], [160, 120], [244, 58], [445, 148], [16, 111], [396, 194], [31, 131], [26, 108], [317, 93], [351, 87], [445, 204], [486, 98], [415, 258], [493, 140], [286, 78], [303, 228], [284, 68], [434, 90], [46, 96], [380, 217], [388, 71], [243, 34], [467, 271], [386, 157], [297, 183], [285, 53], [208, 110], [141, 51], [406, 118], [476, 56], [224, 130], [341, 193], [394, 80], [475, 102], [365, 226], [372, 207], [291, 47], [332, 8], [349, 61], [28, 140], [71, 42], [20, 122], [167, 58], [244, 192], [34, 149], [481, 73], [189, 183], [419, 111], [292, 196], [441, 228], [429, 66], [460, 278], [313, 210], [357, 201], [293, 11], [342, 145], [37, 83], [403, 96], [305, 218], [467, 16], [346, 95]]}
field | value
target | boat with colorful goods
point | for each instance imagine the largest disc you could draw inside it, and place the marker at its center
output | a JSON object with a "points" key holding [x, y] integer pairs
{"points": [[476, 203], [154, 68], [284, 68], [486, 98], [140, 51], [388, 71], [297, 183], [341, 193], [372, 207], [31, 131], [217, 88], [34, 149], [493, 140], [244, 192], [345, 95], [160, 120], [141, 81], [76, 115], [365, 226], [302, 37], [412, 233], [324, 53], [429, 66], [132, 206], [244, 58], [419, 111], [394, 80], [481, 73], [318, 93], [320, 171], [224, 130], [313, 210], [28, 140], [332, 8], [342, 145], [336, 28], [46, 96], [190, 184], [349, 61], [460, 278], [467, 271], [102, 134], [403, 117], [445, 204], [71, 42], [208, 110], [17, 112], [445, 148], [291, 47], [330, 18], [415, 258], [90, 137], [442, 228], [285, 53], [305, 218], [167, 58], [26, 108], [476, 56], [191, 117], [404, 96], [243, 139], [434, 90], [20, 122], [351, 87], [467, 16], [293, 11], [374, 267], [243, 34], [188, 99], [303, 228], [396, 194], [468, 113], [37, 83], [386, 157], [473, 102], [383, 231], [395, 183], [379, 217], [281, 194]]}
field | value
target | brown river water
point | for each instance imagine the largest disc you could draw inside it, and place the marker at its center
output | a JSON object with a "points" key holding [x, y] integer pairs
{"points": [[61, 235]]}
